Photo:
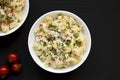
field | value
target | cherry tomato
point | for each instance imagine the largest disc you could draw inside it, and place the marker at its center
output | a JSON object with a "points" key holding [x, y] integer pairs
{"points": [[16, 67], [12, 57], [4, 70]]}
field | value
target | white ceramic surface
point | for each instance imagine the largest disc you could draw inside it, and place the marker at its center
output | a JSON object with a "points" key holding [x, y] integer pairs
{"points": [[31, 39], [24, 15]]}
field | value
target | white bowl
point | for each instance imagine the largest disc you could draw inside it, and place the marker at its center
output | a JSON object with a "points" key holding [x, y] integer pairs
{"points": [[31, 39], [24, 15]]}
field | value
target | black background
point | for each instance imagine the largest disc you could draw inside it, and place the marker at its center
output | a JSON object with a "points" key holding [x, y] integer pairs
{"points": [[101, 16]]}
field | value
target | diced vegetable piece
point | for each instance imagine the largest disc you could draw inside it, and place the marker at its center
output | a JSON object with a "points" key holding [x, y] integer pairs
{"points": [[68, 42], [76, 35], [64, 57], [77, 43], [68, 25], [52, 26], [59, 14], [51, 38], [54, 51], [1, 1], [9, 19], [44, 44]]}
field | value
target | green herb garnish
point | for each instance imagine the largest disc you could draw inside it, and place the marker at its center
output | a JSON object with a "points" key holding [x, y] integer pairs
{"points": [[9, 19], [64, 57], [53, 26], [16, 6], [2, 16], [68, 42], [68, 25], [64, 30], [43, 52], [44, 44], [42, 30], [1, 1], [54, 51], [6, 9], [76, 35], [77, 43], [51, 38], [41, 59], [59, 14], [7, 3]]}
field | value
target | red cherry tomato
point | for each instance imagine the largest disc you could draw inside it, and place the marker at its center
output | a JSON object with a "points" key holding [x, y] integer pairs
{"points": [[16, 67], [4, 70], [12, 57]]}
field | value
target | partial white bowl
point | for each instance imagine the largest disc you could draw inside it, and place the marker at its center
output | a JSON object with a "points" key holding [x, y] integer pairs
{"points": [[31, 39], [24, 15]]}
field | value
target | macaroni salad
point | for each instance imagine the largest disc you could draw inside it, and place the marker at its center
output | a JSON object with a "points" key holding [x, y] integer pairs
{"points": [[59, 41], [10, 14]]}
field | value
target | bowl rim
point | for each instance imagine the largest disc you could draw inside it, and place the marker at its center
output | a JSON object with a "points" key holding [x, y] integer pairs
{"points": [[19, 24], [73, 15]]}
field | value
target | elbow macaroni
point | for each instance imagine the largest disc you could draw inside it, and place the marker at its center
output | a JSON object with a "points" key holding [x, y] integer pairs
{"points": [[59, 42], [10, 14]]}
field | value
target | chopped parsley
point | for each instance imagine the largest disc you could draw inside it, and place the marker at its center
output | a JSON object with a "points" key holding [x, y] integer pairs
{"points": [[67, 42], [42, 30], [51, 38], [41, 59], [7, 3], [77, 43], [1, 1], [43, 52], [64, 57], [44, 44], [53, 26], [64, 30], [68, 25], [6, 9], [10, 19], [76, 35], [59, 14], [54, 51]]}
